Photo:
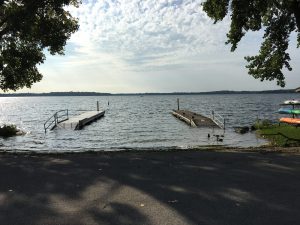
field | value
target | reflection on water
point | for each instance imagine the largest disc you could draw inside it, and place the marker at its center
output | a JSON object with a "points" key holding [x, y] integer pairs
{"points": [[132, 122]]}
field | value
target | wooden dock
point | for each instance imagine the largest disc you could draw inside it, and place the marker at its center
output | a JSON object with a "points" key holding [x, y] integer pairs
{"points": [[80, 121], [195, 119]]}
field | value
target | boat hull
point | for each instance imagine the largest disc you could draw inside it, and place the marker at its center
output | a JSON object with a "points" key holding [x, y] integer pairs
{"points": [[295, 121]]}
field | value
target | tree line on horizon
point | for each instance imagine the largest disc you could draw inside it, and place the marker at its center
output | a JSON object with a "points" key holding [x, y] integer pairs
{"points": [[280, 91]]}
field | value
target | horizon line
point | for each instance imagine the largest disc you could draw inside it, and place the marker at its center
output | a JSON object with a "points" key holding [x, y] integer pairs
{"points": [[57, 93]]}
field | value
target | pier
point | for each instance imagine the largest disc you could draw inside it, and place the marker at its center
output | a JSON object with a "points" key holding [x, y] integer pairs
{"points": [[61, 119], [198, 120], [80, 121]]}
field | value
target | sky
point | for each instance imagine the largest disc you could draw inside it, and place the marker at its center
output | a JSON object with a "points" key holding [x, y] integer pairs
{"points": [[137, 46]]}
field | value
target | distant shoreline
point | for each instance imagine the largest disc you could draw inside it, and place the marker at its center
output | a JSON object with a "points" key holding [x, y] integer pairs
{"points": [[54, 94]]}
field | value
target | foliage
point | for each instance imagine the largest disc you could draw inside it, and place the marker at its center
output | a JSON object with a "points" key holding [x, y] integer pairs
{"points": [[279, 18], [8, 130], [262, 124], [27, 27], [281, 135]]}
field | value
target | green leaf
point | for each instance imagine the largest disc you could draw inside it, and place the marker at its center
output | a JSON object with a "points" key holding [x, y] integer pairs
{"points": [[279, 18], [26, 29]]}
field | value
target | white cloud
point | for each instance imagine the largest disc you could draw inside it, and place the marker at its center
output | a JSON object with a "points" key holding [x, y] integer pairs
{"points": [[152, 46], [144, 33]]}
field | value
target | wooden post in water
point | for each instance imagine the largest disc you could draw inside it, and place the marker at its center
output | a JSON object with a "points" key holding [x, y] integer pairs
{"points": [[293, 109], [98, 106], [55, 118], [178, 103]]}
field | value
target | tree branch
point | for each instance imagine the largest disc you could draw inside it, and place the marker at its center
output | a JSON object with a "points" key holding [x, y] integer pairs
{"points": [[296, 12], [3, 32]]}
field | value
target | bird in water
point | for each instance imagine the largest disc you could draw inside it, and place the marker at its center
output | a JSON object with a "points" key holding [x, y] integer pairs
{"points": [[218, 137]]}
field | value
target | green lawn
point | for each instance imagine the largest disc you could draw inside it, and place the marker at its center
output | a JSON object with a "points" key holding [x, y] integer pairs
{"points": [[281, 135]]}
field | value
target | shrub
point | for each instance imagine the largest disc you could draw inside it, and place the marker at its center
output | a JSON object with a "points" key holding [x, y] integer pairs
{"points": [[8, 130], [263, 124]]}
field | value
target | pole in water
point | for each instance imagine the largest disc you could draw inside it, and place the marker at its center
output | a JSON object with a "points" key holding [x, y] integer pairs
{"points": [[108, 103], [98, 106], [178, 103]]}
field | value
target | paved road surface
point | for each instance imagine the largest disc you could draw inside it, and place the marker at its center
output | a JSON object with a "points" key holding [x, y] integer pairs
{"points": [[150, 188]]}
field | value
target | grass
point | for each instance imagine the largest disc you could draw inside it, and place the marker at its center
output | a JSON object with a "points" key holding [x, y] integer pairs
{"points": [[282, 135]]}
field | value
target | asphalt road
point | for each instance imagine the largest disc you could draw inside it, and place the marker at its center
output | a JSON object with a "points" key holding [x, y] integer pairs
{"points": [[150, 188]]}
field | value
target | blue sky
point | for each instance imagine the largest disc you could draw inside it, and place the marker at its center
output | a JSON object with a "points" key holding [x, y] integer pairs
{"points": [[153, 46]]}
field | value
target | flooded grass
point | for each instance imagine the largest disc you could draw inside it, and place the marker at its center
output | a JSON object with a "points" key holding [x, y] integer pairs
{"points": [[281, 135]]}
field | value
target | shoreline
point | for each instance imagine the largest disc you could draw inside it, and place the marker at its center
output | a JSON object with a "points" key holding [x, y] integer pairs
{"points": [[99, 94], [223, 149]]}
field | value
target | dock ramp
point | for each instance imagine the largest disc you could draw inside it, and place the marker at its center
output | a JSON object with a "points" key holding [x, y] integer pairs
{"points": [[61, 119], [198, 120]]}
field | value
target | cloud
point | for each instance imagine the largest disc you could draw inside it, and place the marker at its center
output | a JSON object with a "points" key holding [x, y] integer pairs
{"points": [[141, 34], [152, 46]]}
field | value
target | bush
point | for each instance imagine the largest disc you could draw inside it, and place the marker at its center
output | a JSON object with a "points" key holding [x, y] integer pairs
{"points": [[263, 124], [8, 130]]}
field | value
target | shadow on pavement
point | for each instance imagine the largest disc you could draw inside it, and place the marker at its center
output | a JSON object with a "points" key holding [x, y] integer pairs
{"points": [[150, 188]]}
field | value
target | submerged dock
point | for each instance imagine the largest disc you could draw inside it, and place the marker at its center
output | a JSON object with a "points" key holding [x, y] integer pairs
{"points": [[80, 121], [61, 119], [198, 120]]}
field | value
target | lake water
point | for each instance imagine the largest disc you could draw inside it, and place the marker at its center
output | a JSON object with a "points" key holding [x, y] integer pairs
{"points": [[135, 122]]}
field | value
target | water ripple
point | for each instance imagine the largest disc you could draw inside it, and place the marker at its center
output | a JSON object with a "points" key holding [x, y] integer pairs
{"points": [[133, 122]]}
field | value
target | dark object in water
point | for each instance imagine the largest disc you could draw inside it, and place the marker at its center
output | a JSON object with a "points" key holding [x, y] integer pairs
{"points": [[208, 135], [218, 137], [10, 130], [241, 130]]}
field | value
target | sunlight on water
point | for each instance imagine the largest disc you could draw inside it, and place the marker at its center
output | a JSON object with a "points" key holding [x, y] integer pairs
{"points": [[134, 122]]}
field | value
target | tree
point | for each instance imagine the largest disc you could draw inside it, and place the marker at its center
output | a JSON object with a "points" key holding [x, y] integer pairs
{"points": [[27, 27], [278, 18]]}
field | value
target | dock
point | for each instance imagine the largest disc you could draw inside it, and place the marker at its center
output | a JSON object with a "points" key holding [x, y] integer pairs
{"points": [[197, 120], [80, 121], [61, 119]]}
